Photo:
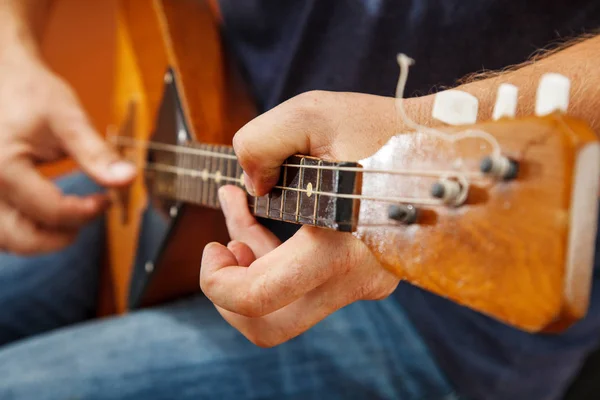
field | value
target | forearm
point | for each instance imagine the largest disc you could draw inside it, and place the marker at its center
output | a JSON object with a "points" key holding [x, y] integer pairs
{"points": [[580, 62], [22, 23]]}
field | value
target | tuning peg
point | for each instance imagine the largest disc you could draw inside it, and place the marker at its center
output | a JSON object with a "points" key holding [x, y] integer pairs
{"points": [[500, 167], [450, 192], [552, 94], [404, 213], [506, 101], [455, 107]]}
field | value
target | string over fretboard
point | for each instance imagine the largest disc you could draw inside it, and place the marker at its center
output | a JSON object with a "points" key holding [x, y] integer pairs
{"points": [[303, 194]]}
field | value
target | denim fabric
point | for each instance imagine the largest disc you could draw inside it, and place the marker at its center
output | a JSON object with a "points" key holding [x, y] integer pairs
{"points": [[53, 290], [185, 350]]}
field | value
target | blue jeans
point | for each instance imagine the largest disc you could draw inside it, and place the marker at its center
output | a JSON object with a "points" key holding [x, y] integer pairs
{"points": [[52, 348]]}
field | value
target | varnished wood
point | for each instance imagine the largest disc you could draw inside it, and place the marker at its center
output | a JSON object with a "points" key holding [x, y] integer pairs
{"points": [[504, 252], [78, 43], [151, 37]]}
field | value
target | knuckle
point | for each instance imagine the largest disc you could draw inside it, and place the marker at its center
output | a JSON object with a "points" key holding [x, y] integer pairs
{"points": [[8, 161], [254, 304], [379, 287], [208, 283], [310, 102], [24, 244], [264, 343], [242, 144], [51, 217], [262, 339], [248, 307]]}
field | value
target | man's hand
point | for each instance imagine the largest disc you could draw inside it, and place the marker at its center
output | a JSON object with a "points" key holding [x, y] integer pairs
{"points": [[271, 291], [41, 120]]}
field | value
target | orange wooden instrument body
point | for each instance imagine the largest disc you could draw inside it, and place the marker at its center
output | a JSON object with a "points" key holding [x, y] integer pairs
{"points": [[151, 37]]}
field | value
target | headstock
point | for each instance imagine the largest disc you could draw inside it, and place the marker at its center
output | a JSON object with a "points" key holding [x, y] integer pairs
{"points": [[506, 210]]}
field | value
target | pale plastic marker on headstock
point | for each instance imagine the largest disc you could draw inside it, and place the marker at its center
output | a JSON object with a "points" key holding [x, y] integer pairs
{"points": [[552, 94], [405, 62], [455, 107], [506, 102]]}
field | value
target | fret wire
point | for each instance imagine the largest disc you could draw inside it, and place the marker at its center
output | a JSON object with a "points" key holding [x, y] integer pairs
{"points": [[238, 172], [197, 167], [188, 180], [283, 192], [228, 168], [180, 188], [255, 204], [317, 190], [426, 201], [300, 186], [125, 141], [217, 202], [211, 182], [268, 203], [195, 201], [179, 179], [204, 182]]}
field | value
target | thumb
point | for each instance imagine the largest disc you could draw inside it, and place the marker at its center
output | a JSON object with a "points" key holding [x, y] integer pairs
{"points": [[69, 122]]}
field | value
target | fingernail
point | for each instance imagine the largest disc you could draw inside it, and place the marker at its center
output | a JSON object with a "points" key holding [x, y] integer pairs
{"points": [[222, 199], [249, 185], [121, 170]]}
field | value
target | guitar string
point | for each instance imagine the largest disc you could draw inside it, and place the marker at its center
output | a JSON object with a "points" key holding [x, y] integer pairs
{"points": [[311, 219], [169, 148], [273, 215], [205, 175], [404, 62]]}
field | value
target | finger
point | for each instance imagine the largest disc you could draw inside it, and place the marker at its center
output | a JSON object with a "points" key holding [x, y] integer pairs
{"points": [[307, 260], [294, 319], [242, 226], [71, 125], [293, 127], [39, 199], [242, 253], [301, 315], [21, 235]]}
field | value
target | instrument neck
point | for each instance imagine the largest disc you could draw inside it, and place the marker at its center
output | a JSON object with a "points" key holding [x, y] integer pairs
{"points": [[308, 191]]}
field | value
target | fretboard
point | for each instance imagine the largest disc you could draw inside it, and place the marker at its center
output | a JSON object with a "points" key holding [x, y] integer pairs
{"points": [[310, 191]]}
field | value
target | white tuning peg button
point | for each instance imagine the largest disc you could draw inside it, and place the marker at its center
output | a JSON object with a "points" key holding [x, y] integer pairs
{"points": [[552, 94], [506, 102], [455, 107]]}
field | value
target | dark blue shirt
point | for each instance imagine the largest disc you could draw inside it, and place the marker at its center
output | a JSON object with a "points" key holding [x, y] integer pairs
{"points": [[286, 47]]}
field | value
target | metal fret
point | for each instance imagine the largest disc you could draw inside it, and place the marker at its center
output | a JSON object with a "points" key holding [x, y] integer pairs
{"points": [[318, 187], [238, 173], [211, 182], [219, 184], [300, 186], [197, 182], [283, 192], [204, 183], [229, 161], [188, 178]]}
